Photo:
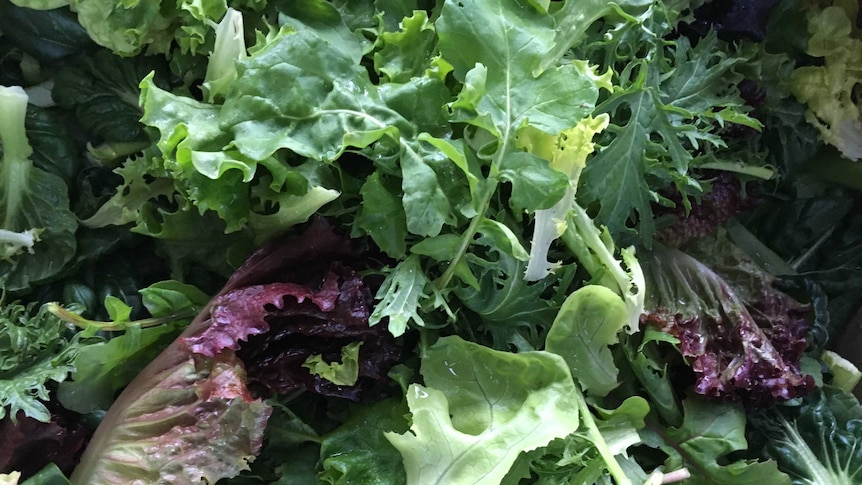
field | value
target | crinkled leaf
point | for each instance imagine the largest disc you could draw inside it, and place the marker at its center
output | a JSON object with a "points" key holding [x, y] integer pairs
{"points": [[406, 53], [740, 344], [195, 421], [343, 373], [264, 116], [479, 409], [33, 352]]}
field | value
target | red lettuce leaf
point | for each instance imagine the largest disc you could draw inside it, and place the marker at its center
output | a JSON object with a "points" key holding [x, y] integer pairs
{"points": [[743, 341], [29, 445], [196, 411]]}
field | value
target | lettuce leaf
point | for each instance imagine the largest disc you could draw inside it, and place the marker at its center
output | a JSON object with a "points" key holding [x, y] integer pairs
{"points": [[194, 413], [479, 408], [828, 89], [743, 338]]}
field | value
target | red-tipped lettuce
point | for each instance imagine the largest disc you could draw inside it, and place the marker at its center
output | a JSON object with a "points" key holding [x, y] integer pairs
{"points": [[194, 413], [742, 341]]}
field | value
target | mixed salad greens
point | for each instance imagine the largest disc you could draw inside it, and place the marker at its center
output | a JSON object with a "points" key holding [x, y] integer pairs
{"points": [[418, 241]]}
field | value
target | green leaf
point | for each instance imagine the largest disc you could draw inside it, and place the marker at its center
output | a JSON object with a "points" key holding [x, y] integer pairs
{"points": [[509, 39], [535, 185], [54, 149], [587, 323], [649, 363], [104, 90], [103, 369], [574, 18], [117, 309], [407, 53], [709, 433], [170, 297], [400, 295], [358, 452], [479, 409], [382, 217], [33, 352], [513, 310], [50, 475], [663, 110], [425, 203], [342, 373]]}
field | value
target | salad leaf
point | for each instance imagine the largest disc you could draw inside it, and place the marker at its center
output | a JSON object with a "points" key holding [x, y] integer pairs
{"points": [[680, 109], [103, 91], [34, 350], [29, 445], [193, 402], [576, 458], [38, 229], [47, 35], [344, 373], [567, 153], [470, 420], [586, 324], [739, 347], [205, 431], [818, 442], [710, 432], [358, 452], [827, 89]]}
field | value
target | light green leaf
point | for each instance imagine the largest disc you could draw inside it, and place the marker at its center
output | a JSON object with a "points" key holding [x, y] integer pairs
{"points": [[535, 185], [117, 309], [342, 373], [509, 39], [479, 409], [407, 53], [270, 108], [400, 295], [587, 323]]}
